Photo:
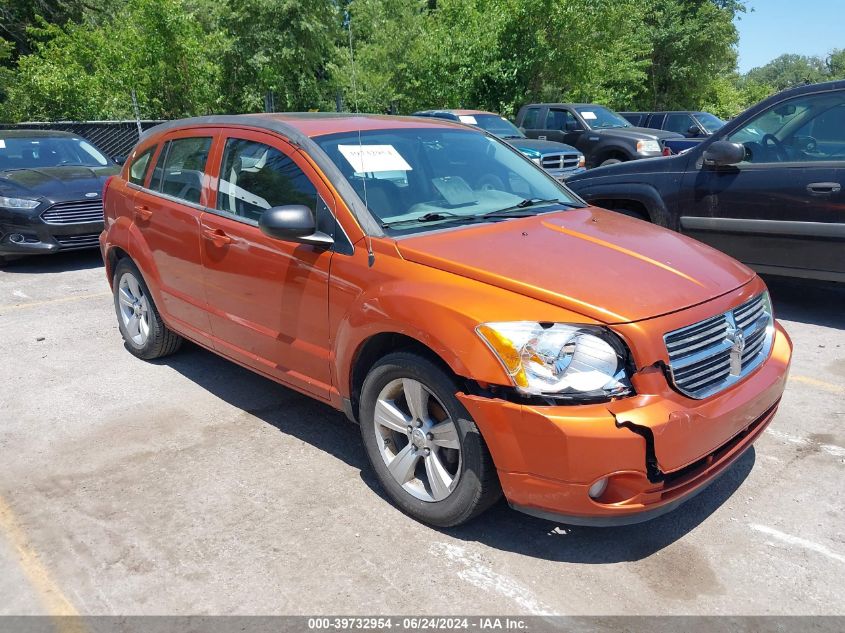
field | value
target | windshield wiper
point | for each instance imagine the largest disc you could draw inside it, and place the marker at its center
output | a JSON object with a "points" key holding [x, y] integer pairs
{"points": [[522, 207], [431, 216]]}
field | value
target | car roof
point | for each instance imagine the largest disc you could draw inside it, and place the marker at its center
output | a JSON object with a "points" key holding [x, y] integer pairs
{"points": [[455, 111], [300, 125], [565, 105], [35, 133]]}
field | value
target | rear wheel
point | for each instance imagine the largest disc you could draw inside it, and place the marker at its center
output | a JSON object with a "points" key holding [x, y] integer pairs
{"points": [[422, 443], [143, 331], [631, 213]]}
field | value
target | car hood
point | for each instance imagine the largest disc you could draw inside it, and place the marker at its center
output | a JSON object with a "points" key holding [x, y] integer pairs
{"points": [[636, 133], [56, 181], [600, 264], [544, 147]]}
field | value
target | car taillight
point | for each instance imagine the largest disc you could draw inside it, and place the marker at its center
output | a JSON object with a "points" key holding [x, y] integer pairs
{"points": [[105, 191], [667, 151]]}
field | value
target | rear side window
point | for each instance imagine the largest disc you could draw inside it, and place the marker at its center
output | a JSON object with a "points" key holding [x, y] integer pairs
{"points": [[138, 168], [155, 181], [184, 166], [255, 177], [530, 120], [657, 121]]}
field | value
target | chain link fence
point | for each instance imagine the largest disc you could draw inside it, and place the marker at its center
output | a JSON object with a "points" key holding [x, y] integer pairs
{"points": [[113, 138]]}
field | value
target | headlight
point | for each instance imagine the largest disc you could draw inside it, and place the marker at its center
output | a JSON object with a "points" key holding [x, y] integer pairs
{"points": [[536, 161], [18, 203], [573, 361], [581, 160], [647, 146]]}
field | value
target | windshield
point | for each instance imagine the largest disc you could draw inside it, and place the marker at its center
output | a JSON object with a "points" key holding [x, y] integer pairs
{"points": [[44, 151], [497, 125], [710, 122], [598, 117], [417, 179]]}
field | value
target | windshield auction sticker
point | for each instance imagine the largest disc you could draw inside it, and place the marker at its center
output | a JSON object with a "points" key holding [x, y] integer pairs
{"points": [[467, 118], [374, 158], [589, 115]]}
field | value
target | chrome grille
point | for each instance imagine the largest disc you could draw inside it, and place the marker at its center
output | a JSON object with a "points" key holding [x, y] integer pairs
{"points": [[711, 355], [559, 161], [76, 212], [71, 242]]}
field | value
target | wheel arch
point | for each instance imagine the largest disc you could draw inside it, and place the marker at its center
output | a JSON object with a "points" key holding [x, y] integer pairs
{"points": [[644, 196]]}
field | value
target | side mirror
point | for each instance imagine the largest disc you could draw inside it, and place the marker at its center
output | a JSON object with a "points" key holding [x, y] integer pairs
{"points": [[119, 159], [724, 153], [693, 131], [293, 223]]}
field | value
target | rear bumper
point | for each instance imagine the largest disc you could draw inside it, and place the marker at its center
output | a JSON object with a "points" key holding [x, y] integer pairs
{"points": [[655, 454], [27, 234]]}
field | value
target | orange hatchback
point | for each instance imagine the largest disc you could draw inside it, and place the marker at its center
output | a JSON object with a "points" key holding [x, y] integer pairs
{"points": [[489, 331]]}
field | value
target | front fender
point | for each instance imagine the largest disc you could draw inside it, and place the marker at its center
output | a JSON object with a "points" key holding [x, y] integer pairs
{"points": [[646, 195]]}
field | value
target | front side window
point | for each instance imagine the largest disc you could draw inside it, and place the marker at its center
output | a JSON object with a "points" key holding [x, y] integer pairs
{"points": [[808, 128], [255, 177], [184, 166], [138, 169], [680, 123], [599, 117], [562, 120], [32, 152], [419, 179]]}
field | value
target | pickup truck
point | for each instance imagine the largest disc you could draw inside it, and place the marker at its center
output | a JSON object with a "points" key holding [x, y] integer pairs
{"points": [[560, 160], [602, 135]]}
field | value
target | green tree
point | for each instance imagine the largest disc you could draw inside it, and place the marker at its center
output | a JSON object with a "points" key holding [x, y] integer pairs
{"points": [[836, 64], [283, 46], [693, 52], [789, 70], [86, 71]]}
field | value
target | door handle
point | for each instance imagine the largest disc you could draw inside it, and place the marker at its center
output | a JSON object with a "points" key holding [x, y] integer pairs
{"points": [[143, 212], [823, 188], [216, 236]]}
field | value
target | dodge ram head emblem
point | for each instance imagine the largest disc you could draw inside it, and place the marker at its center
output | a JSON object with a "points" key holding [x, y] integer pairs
{"points": [[91, 194], [736, 337]]}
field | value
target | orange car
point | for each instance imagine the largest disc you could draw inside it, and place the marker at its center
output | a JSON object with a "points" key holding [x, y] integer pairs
{"points": [[489, 331]]}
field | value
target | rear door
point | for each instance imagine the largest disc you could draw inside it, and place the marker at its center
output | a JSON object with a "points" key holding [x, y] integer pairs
{"points": [[167, 213], [782, 209], [268, 299]]}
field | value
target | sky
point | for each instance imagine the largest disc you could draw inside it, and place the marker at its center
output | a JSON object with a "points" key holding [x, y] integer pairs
{"points": [[775, 27]]}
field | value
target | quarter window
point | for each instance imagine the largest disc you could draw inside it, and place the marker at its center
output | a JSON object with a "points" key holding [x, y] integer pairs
{"points": [[255, 177], [138, 169], [184, 166]]}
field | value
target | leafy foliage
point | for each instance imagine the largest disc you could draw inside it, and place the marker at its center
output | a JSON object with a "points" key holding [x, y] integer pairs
{"points": [[81, 59]]}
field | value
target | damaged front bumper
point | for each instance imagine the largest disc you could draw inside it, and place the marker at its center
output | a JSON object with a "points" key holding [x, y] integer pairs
{"points": [[656, 449]]}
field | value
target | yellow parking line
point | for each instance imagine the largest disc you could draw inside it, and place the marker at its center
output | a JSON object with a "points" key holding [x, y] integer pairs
{"points": [[821, 384], [54, 601], [35, 304]]}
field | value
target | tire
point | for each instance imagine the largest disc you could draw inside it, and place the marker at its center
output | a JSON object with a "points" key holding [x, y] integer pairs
{"points": [[144, 333], [610, 161], [447, 443]]}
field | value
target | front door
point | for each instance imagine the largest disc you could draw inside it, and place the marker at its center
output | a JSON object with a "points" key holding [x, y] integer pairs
{"points": [[782, 209], [167, 213], [268, 299]]}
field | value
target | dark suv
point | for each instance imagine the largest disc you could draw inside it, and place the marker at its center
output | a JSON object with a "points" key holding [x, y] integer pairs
{"points": [[601, 134], [766, 188], [50, 192]]}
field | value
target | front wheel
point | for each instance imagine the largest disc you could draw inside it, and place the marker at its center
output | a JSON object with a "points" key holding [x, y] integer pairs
{"points": [[610, 161], [422, 443]]}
